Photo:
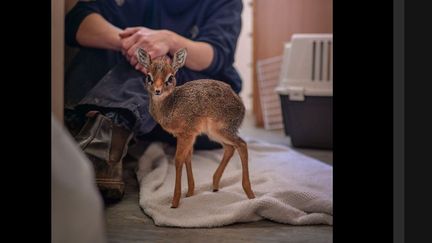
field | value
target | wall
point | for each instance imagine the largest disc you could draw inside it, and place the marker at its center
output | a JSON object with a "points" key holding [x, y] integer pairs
{"points": [[243, 57], [274, 22], [57, 57]]}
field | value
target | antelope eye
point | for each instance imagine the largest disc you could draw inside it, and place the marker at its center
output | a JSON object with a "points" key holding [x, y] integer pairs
{"points": [[149, 80], [169, 80]]}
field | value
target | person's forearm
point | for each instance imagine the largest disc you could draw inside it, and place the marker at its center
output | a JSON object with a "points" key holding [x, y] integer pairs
{"points": [[200, 54], [94, 31]]}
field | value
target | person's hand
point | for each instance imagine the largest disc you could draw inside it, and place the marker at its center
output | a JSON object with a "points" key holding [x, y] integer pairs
{"points": [[154, 42]]}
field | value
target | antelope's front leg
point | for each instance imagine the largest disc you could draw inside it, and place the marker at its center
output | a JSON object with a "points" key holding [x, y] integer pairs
{"points": [[184, 148], [177, 187]]}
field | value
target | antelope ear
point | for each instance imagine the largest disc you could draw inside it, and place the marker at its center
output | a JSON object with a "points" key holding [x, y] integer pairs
{"points": [[179, 59], [143, 58]]}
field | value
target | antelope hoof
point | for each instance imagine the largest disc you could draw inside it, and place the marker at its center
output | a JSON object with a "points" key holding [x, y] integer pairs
{"points": [[175, 204], [215, 190], [189, 194]]}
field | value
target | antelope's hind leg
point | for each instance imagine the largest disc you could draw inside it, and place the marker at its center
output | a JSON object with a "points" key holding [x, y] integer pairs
{"points": [[230, 138], [228, 153], [191, 183]]}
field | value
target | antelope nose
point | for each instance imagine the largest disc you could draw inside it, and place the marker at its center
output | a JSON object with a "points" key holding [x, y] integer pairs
{"points": [[157, 92]]}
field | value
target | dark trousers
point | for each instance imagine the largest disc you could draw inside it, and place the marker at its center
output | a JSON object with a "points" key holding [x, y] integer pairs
{"points": [[75, 120], [119, 94]]}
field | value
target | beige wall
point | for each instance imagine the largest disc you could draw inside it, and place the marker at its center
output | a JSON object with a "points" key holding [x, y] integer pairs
{"points": [[57, 58], [274, 21], [243, 57], [60, 54]]}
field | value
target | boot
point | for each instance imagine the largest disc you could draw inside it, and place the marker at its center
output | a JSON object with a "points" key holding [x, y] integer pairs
{"points": [[105, 144]]}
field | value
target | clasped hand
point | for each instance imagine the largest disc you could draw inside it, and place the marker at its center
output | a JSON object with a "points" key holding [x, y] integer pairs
{"points": [[154, 42]]}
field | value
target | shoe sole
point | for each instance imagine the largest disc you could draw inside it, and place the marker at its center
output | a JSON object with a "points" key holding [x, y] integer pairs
{"points": [[111, 190]]}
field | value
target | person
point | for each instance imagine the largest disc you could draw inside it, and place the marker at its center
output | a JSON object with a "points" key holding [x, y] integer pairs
{"points": [[106, 104]]}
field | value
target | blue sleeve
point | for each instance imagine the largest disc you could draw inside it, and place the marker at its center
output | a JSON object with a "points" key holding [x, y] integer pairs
{"points": [[221, 30], [131, 13], [74, 18]]}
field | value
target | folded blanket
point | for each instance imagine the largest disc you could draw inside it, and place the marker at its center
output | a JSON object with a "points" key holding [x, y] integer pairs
{"points": [[289, 187]]}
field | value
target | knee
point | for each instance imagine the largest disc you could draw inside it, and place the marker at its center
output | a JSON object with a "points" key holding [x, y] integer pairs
{"points": [[241, 144]]}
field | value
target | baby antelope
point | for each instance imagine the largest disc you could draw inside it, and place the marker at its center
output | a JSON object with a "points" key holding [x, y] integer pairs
{"points": [[200, 106]]}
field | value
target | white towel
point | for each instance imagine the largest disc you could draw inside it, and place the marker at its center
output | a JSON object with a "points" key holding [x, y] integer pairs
{"points": [[289, 187]]}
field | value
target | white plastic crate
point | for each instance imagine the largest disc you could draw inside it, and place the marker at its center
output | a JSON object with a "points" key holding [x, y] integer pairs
{"points": [[307, 67], [268, 72], [306, 90]]}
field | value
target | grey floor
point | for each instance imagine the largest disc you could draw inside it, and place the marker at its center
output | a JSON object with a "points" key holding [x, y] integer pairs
{"points": [[126, 222]]}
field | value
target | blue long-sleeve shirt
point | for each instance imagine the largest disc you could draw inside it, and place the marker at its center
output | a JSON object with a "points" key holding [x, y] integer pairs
{"points": [[217, 22]]}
